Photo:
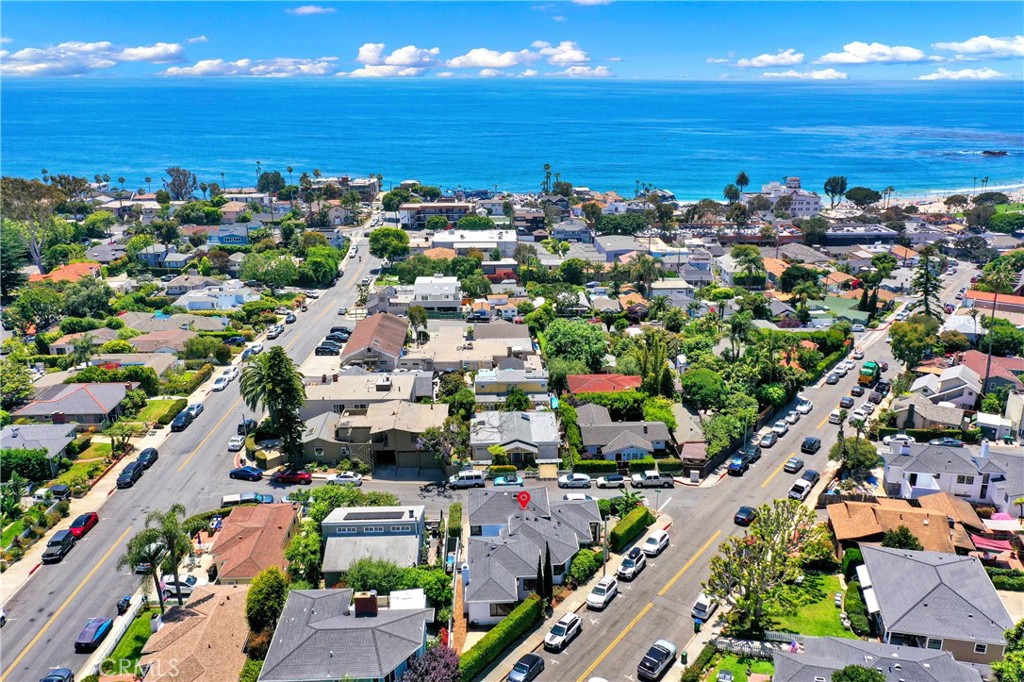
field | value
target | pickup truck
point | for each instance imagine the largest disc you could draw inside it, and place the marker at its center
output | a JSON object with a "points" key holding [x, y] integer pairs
{"points": [[800, 490], [651, 479]]}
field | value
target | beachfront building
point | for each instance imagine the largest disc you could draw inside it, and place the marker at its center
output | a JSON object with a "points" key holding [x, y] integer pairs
{"points": [[485, 241], [804, 203], [415, 216]]}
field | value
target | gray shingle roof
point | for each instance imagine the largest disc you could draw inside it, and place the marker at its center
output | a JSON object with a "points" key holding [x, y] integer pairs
{"points": [[341, 552], [74, 399], [604, 435], [315, 640], [491, 506], [527, 428], [936, 594], [53, 437], [938, 459], [822, 656]]}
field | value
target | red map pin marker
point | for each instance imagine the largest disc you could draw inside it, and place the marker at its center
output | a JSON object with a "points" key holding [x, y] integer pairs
{"points": [[524, 499]]}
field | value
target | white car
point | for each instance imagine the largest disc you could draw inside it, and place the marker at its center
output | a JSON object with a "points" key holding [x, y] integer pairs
{"points": [[840, 369], [900, 316], [656, 543], [858, 328], [230, 374], [257, 348], [858, 354], [563, 632], [574, 481], [868, 407], [858, 415], [170, 588], [793, 417], [804, 406], [603, 593], [220, 383], [850, 365], [236, 443], [898, 438], [577, 497], [781, 427], [345, 478]]}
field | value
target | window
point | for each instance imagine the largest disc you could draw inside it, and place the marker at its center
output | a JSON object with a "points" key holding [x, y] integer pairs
{"points": [[934, 644], [475, 530], [401, 529], [965, 480], [347, 530], [981, 648], [501, 610], [318, 453]]}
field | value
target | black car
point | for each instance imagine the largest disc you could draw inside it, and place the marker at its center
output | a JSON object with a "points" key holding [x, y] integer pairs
{"points": [[846, 402], [857, 391], [290, 318], [745, 516], [182, 421], [58, 546], [59, 675], [832, 379], [810, 445], [337, 337], [130, 474], [947, 441], [883, 387], [811, 476], [235, 341], [148, 457], [751, 452], [875, 397], [326, 350], [246, 427], [526, 668], [342, 329]]}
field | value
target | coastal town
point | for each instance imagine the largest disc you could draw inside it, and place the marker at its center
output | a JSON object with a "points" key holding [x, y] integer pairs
{"points": [[328, 427]]}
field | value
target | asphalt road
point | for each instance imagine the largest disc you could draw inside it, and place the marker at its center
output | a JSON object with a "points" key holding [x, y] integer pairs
{"points": [[47, 614]]}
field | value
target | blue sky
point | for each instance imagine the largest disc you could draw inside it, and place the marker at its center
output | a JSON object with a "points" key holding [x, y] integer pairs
{"points": [[585, 39]]}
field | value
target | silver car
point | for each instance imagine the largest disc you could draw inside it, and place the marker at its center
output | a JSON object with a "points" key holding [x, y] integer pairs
{"points": [[574, 481]]}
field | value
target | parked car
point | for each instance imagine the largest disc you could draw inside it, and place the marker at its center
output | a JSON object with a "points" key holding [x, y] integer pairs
{"points": [[59, 675], [947, 441], [883, 366], [256, 348], [58, 546], [651, 479], [656, 543], [875, 397], [657, 660], [236, 443], [800, 490], [744, 516], [804, 406], [526, 668], [835, 417], [857, 391], [246, 498], [500, 481], [632, 565], [841, 369], [182, 420], [738, 465], [857, 328], [246, 426], [704, 607], [769, 439], [148, 457], [603, 593], [220, 383], [343, 310], [341, 329], [274, 331], [336, 337], [566, 629], [846, 402], [94, 632], [574, 481], [130, 475], [246, 474], [898, 438], [467, 479], [867, 408], [292, 476], [832, 379], [858, 415], [792, 417], [235, 341], [325, 350], [793, 465], [345, 478], [83, 524], [185, 583], [810, 445], [290, 318], [611, 481], [811, 476], [231, 373], [781, 427], [858, 354]]}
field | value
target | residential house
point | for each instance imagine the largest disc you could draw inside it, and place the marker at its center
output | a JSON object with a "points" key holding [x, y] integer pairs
{"points": [[492, 386], [984, 300], [251, 540], [82, 404], [678, 291], [232, 211], [153, 256], [958, 385], [528, 220], [506, 541], [440, 253], [226, 296], [437, 294], [964, 324], [987, 477], [621, 441], [773, 268], [329, 635], [836, 282], [246, 195], [105, 254], [355, 392], [906, 257], [385, 433], [491, 345], [525, 436], [232, 235], [170, 341], [602, 383], [1007, 372], [415, 216], [858, 233], [65, 345], [395, 534], [54, 438], [376, 342], [820, 657], [867, 522], [484, 241], [916, 411], [934, 600], [728, 269], [799, 253], [183, 284], [634, 305], [159, 362], [336, 213], [178, 260], [613, 246], [153, 322], [603, 304], [1014, 412], [572, 230], [202, 641], [72, 272]]}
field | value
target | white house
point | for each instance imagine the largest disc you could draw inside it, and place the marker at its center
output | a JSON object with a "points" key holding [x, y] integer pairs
{"points": [[678, 291], [524, 435], [804, 203], [437, 293], [229, 295], [485, 241], [959, 385]]}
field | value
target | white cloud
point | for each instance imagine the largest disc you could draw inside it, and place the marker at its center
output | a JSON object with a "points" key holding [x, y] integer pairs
{"points": [[410, 55], [788, 57], [528, 73], [158, 53], [306, 10], [716, 60], [385, 71], [491, 73], [872, 53], [444, 74], [483, 58], [585, 72], [4, 40], [820, 75], [962, 75], [74, 58], [984, 45], [279, 67], [615, 59], [370, 53], [566, 53], [197, 39], [558, 18]]}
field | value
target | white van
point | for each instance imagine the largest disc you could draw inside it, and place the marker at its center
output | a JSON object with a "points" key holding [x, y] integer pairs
{"points": [[704, 607], [835, 417], [468, 479]]}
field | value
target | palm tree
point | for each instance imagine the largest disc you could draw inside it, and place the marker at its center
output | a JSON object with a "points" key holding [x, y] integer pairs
{"points": [[144, 549], [259, 169], [740, 326], [1019, 502], [984, 182], [742, 180], [731, 193], [122, 181], [273, 381], [82, 349], [750, 260], [175, 537], [644, 270], [657, 305], [289, 169], [974, 312], [317, 173], [1000, 280], [149, 184]]}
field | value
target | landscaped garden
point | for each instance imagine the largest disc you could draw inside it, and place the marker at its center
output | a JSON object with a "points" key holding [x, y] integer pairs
{"points": [[738, 665], [155, 409], [809, 608], [125, 656]]}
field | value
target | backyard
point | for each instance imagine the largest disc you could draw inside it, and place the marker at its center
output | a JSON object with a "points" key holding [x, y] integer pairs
{"points": [[738, 666], [12, 531], [154, 409], [809, 608], [126, 654]]}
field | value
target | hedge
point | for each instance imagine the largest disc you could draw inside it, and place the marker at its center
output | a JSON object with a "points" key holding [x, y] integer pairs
{"points": [[922, 435], [585, 565], [629, 527], [250, 671], [596, 466], [502, 470], [248, 334], [856, 611], [201, 375], [205, 517], [670, 464], [641, 465], [500, 637], [852, 558], [172, 411], [47, 360], [695, 670], [1008, 579], [455, 520]]}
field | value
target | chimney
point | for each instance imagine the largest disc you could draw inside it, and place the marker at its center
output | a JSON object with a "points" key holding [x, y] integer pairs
{"points": [[645, 428], [365, 603], [59, 418], [905, 449], [984, 448]]}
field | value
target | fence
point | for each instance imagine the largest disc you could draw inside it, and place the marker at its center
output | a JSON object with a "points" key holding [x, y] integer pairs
{"points": [[745, 647], [784, 637], [95, 663]]}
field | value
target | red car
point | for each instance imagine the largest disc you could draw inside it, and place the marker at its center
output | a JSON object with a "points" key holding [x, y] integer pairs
{"points": [[289, 476], [83, 524]]}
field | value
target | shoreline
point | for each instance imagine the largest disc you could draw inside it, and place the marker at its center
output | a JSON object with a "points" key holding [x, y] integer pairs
{"points": [[929, 196]]}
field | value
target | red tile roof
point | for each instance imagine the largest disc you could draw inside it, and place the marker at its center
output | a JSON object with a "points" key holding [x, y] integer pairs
{"points": [[252, 539], [72, 272], [602, 383], [382, 332], [985, 296], [1004, 368]]}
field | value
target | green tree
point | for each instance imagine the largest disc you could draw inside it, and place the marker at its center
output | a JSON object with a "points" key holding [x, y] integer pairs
{"points": [[749, 259], [901, 538], [549, 575], [475, 286], [181, 184], [13, 257], [1011, 668], [814, 228], [516, 400], [303, 552], [88, 297], [98, 224], [956, 202], [739, 214], [272, 380], [437, 223], [731, 193], [37, 305], [572, 271], [858, 673], [795, 274], [389, 243], [885, 263], [462, 403], [644, 270], [742, 180], [176, 538], [274, 269], [912, 338], [576, 340], [862, 197], [855, 454], [15, 384], [703, 388], [927, 284], [476, 222], [28, 206], [270, 182], [1006, 223], [835, 187], [417, 318], [265, 599], [31, 464], [145, 549]]}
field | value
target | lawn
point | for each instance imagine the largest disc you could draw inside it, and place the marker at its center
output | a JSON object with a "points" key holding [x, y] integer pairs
{"points": [[739, 664], [77, 470], [129, 650], [96, 450], [153, 410], [12, 531], [809, 609], [1007, 208]]}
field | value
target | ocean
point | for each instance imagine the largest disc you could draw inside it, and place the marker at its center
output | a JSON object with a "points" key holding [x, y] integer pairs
{"points": [[689, 137]]}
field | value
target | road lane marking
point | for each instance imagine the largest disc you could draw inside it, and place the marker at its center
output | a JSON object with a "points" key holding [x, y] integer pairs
{"points": [[63, 606], [614, 642], [664, 503], [822, 423], [777, 470], [689, 563]]}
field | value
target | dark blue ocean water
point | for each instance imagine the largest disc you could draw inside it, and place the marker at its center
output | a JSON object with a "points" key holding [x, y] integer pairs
{"points": [[690, 137]]}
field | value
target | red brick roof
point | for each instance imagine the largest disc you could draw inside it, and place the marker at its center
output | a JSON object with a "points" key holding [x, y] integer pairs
{"points": [[1004, 368], [72, 272], [985, 296], [252, 539], [602, 383], [382, 332]]}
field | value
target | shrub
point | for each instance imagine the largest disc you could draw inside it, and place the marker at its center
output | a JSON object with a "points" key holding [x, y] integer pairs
{"points": [[172, 411], [259, 643], [502, 470], [670, 464], [856, 611], [604, 505], [1008, 579], [641, 465], [852, 558], [629, 527], [455, 520], [251, 671], [585, 564], [503, 635], [596, 466], [695, 670]]}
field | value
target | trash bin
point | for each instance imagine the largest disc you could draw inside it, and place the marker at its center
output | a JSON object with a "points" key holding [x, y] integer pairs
{"points": [[683, 658]]}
